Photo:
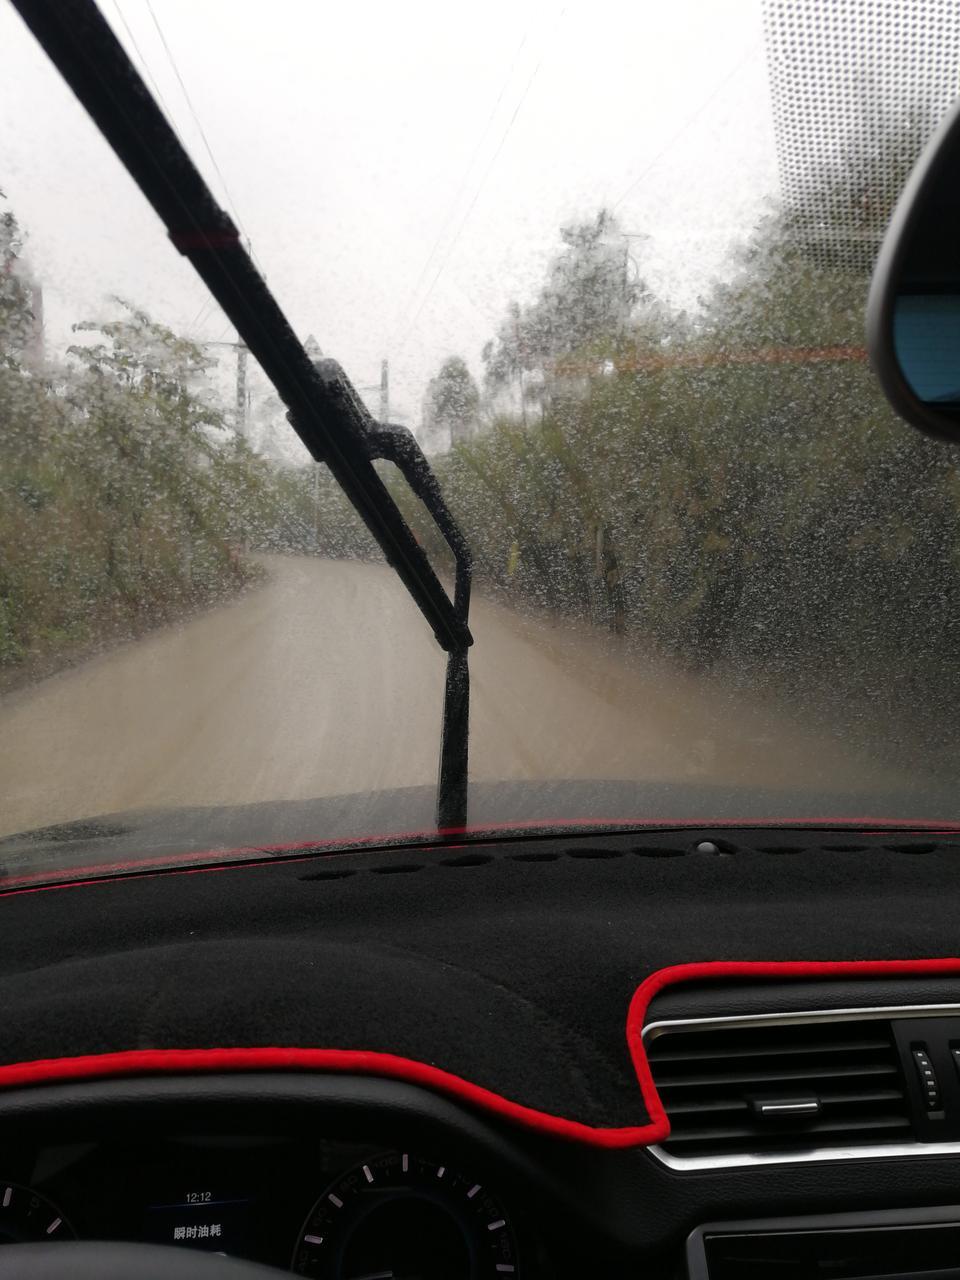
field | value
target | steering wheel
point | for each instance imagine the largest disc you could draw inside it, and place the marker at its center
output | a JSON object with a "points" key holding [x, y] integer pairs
{"points": [[103, 1260]]}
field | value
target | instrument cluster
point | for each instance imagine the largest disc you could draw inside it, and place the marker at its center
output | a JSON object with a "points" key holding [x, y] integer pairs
{"points": [[332, 1210]]}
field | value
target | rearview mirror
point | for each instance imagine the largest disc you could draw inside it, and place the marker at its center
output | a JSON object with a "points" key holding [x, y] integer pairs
{"points": [[913, 312]]}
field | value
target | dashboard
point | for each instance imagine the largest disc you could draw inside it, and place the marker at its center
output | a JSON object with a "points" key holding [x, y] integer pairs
{"points": [[361, 1178], [792, 1099]]}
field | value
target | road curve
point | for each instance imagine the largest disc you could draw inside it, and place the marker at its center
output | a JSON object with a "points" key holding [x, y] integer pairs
{"points": [[325, 680]]}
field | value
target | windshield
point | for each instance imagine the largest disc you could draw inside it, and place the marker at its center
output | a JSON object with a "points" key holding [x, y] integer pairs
{"points": [[609, 266]]}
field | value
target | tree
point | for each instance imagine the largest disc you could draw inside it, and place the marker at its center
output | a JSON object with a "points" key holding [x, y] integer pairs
{"points": [[125, 497], [16, 316], [450, 406], [584, 308]]}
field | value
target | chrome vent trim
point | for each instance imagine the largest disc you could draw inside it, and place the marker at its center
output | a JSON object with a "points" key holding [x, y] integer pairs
{"points": [[884, 1151]]}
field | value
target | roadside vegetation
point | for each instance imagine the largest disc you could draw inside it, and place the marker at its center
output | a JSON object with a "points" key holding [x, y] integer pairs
{"points": [[125, 500], [730, 489], [741, 501]]}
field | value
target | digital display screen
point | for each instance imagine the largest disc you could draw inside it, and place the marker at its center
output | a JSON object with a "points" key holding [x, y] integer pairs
{"points": [[200, 1218]]}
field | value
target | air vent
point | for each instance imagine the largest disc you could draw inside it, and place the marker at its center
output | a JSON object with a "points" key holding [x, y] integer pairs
{"points": [[779, 1087]]}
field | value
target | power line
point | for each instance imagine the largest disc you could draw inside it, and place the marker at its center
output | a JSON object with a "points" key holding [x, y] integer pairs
{"points": [[714, 93], [196, 120], [203, 314], [448, 220], [206, 307], [477, 193], [146, 67]]}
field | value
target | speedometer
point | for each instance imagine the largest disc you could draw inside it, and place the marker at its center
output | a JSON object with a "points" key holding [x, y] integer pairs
{"points": [[26, 1215], [406, 1215]]}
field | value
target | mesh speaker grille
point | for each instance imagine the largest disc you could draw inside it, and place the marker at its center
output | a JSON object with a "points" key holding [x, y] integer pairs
{"points": [[857, 87]]}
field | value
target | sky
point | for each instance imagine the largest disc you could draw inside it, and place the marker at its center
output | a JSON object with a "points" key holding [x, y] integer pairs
{"points": [[401, 171]]}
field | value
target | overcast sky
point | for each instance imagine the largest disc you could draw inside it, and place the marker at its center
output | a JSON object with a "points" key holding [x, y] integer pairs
{"points": [[401, 169]]}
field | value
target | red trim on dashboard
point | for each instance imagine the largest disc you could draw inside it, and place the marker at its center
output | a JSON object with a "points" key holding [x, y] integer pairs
{"points": [[239, 856], [138, 1062]]}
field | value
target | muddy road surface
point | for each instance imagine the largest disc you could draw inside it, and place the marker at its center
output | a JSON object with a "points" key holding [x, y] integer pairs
{"points": [[325, 680]]}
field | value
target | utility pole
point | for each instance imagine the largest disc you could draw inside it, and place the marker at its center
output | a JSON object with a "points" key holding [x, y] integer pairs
{"points": [[313, 349], [385, 391], [316, 506], [241, 401], [520, 355], [383, 386], [629, 260], [241, 390]]}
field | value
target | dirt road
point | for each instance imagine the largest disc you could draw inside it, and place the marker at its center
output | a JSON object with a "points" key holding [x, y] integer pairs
{"points": [[325, 681]]}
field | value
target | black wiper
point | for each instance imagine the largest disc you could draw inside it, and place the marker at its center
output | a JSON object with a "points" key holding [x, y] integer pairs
{"points": [[323, 407], [398, 445]]}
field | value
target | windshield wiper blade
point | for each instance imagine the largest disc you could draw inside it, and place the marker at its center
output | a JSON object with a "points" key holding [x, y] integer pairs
{"points": [[322, 407]]}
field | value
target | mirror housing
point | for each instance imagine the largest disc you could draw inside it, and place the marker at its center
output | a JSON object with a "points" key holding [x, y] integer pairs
{"points": [[913, 311]]}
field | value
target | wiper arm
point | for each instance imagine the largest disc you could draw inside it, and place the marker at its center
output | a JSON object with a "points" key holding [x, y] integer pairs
{"points": [[393, 443], [398, 445], [323, 408]]}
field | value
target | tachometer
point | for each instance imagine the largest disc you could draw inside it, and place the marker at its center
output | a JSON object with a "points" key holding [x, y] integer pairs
{"points": [[26, 1215], [401, 1215]]}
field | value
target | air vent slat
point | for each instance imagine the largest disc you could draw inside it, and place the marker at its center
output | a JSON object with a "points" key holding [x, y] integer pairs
{"points": [[678, 1109], [808, 1132], [712, 1080], [865, 1097], [711, 1054], [778, 1075]]}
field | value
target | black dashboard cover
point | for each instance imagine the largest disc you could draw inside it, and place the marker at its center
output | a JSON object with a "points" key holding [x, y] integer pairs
{"points": [[509, 964]]}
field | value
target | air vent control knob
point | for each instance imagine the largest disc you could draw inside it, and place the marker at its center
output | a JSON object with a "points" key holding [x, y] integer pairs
{"points": [[786, 1108]]}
